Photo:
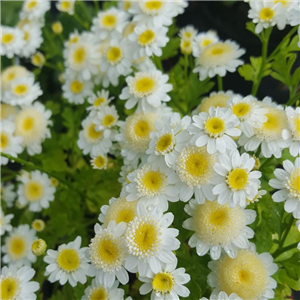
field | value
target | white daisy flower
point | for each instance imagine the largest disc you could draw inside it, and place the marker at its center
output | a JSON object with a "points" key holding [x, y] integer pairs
{"points": [[168, 140], [218, 227], [147, 89], [266, 14], [153, 12], [235, 181], [292, 134], [148, 40], [166, 283], [218, 59], [100, 290], [116, 61], [215, 130], [269, 134], [23, 91], [5, 225], [222, 296], [8, 194], [12, 73], [204, 39], [108, 23], [9, 143], [118, 210], [287, 181], [32, 124], [292, 13], [188, 32], [194, 167], [107, 252], [215, 99], [75, 90], [179, 6], [35, 190], [17, 247], [15, 283], [150, 242], [99, 100], [248, 275], [92, 141], [99, 162], [127, 168], [34, 10], [12, 41], [66, 6], [68, 263], [153, 186]]}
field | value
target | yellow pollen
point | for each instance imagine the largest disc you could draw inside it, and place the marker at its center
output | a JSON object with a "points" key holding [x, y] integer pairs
{"points": [[187, 35], [163, 283], [293, 183], [99, 101], [186, 44], [114, 54], [99, 294], [100, 161], [7, 38], [76, 86], [237, 179], [21, 89], [297, 125], [65, 5], [108, 120], [26, 35], [217, 51], [68, 260], [153, 181], [197, 164], [146, 37], [142, 129], [9, 288], [4, 141], [146, 237], [215, 126], [272, 122], [109, 21], [108, 251], [33, 191], [79, 55], [92, 133], [31, 4], [266, 14], [153, 5], [17, 246], [164, 143], [145, 86], [241, 109]]}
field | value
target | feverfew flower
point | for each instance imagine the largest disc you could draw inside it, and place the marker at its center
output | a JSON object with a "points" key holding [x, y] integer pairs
{"points": [[23, 91], [148, 40], [215, 130], [218, 59], [99, 162], [35, 190], [5, 225], [15, 283], [150, 242], [223, 296], [248, 275], [203, 40], [11, 41], [12, 73], [288, 183], [292, 134], [99, 100], [66, 6], [166, 283], [8, 194], [9, 143], [17, 246], [147, 89], [235, 181], [34, 10], [218, 226], [188, 32], [68, 263]]}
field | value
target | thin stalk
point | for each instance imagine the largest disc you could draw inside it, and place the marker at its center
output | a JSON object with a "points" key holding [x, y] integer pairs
{"points": [[96, 5], [265, 162], [280, 251], [220, 83], [286, 232], [77, 18], [186, 63]]}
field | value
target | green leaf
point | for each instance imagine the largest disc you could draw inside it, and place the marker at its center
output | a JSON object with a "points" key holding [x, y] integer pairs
{"points": [[247, 72], [251, 27], [291, 266], [171, 48]]}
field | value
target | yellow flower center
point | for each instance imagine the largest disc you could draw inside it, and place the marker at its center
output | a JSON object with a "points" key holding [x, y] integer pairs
{"points": [[293, 183], [266, 14], [9, 288], [152, 182], [241, 109], [26, 36], [165, 143], [74, 40], [272, 122], [146, 38], [7, 38], [76, 87], [99, 101], [79, 55], [33, 191], [146, 237], [144, 86], [187, 35], [237, 179], [245, 275], [109, 21], [217, 100], [100, 161], [37, 59], [296, 123], [28, 124], [163, 283], [99, 294], [108, 120], [142, 129], [38, 225], [31, 4], [65, 5], [153, 5], [126, 5], [114, 55], [68, 260], [186, 44], [196, 164], [21, 89], [54, 181], [4, 141], [214, 127], [92, 133], [206, 42], [11, 76], [16, 247], [108, 251]]}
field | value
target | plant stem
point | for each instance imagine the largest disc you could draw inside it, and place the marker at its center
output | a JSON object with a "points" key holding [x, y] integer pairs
{"points": [[80, 21], [157, 62], [186, 63], [286, 232], [220, 83], [279, 251], [266, 162], [96, 5], [265, 42]]}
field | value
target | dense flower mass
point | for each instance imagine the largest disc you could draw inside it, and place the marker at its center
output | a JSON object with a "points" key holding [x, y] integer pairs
{"points": [[131, 170]]}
